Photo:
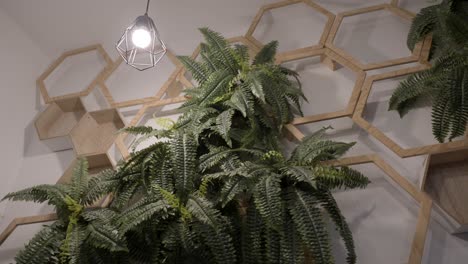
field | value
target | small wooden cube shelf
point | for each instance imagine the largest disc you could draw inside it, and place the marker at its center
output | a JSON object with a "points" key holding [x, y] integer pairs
{"points": [[446, 182], [55, 123], [96, 132]]}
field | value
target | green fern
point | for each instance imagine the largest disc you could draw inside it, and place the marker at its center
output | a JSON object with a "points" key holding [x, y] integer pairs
{"points": [[444, 85], [218, 189]]}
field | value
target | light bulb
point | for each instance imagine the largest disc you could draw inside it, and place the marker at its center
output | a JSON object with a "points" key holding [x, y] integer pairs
{"points": [[141, 38]]}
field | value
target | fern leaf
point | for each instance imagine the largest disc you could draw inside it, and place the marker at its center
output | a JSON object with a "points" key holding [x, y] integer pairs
{"points": [[223, 125], [44, 247], [292, 251], [338, 178], [219, 48], [79, 183], [53, 194], [266, 54], [441, 117], [330, 205], [184, 148], [267, 198], [195, 68], [310, 225], [256, 87], [204, 211], [140, 212], [100, 186], [219, 242], [103, 235]]}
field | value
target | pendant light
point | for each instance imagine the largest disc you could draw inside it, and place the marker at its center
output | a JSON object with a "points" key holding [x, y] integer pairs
{"points": [[140, 45]]}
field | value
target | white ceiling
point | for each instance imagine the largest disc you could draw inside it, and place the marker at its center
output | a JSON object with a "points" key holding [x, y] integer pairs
{"points": [[59, 25]]}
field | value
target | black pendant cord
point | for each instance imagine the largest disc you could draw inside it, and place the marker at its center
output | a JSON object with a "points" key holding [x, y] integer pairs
{"points": [[147, 7]]}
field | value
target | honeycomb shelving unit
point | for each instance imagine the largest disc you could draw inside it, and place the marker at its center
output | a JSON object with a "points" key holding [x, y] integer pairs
{"points": [[96, 132], [41, 81], [93, 133], [445, 182], [55, 123]]}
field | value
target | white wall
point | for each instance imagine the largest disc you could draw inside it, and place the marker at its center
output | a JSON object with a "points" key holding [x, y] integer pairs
{"points": [[23, 159], [381, 217]]}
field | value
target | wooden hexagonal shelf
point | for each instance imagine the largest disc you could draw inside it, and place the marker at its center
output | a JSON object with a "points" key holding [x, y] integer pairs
{"points": [[41, 82], [124, 87], [332, 61], [96, 132], [446, 182], [308, 5], [55, 123], [400, 13], [383, 137]]}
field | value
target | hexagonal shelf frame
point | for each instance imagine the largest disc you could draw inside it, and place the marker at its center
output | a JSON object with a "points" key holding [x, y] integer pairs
{"points": [[41, 80], [316, 7], [387, 141], [445, 181], [416, 55], [331, 59], [96, 132], [28, 220], [55, 123], [160, 92], [419, 238]]}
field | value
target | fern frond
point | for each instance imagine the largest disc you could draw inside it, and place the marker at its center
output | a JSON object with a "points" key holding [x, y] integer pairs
{"points": [[223, 125], [332, 178], [309, 222], [219, 242], [292, 250], [105, 236], [184, 149], [441, 117], [100, 186], [328, 202], [267, 198], [266, 54], [53, 194], [198, 71], [219, 48], [137, 130], [79, 182], [44, 247], [204, 211], [142, 211]]}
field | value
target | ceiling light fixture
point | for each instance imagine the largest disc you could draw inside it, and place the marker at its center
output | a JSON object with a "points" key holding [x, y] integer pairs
{"points": [[140, 45]]}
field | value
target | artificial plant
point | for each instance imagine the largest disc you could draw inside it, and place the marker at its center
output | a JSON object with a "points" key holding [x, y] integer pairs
{"points": [[218, 186], [445, 84], [82, 229]]}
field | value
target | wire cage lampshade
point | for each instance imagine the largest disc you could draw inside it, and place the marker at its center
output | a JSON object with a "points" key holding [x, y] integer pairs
{"points": [[140, 45]]}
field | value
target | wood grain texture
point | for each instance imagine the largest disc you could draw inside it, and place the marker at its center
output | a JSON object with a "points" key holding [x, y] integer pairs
{"points": [[446, 183], [96, 132], [422, 225]]}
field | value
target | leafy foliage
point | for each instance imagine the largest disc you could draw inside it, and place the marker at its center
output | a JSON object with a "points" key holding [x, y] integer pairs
{"points": [[77, 227], [218, 188], [446, 83]]}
